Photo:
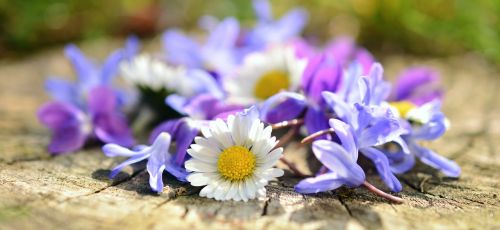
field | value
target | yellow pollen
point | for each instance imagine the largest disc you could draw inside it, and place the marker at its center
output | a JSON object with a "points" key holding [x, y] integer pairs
{"points": [[236, 163], [403, 107], [271, 83]]}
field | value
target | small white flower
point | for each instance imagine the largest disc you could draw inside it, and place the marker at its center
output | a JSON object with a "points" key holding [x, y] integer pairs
{"points": [[147, 71], [234, 160], [264, 74]]}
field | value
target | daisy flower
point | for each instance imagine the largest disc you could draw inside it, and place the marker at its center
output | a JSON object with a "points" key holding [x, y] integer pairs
{"points": [[147, 71], [234, 160], [264, 74]]}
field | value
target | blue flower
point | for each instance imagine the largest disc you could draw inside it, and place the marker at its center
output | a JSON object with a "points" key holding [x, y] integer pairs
{"points": [[158, 156], [340, 159], [418, 85], [371, 126], [88, 73], [217, 54], [426, 123], [89, 107], [269, 31]]}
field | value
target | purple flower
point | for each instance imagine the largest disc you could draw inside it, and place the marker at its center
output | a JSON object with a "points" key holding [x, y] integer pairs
{"points": [[323, 73], [339, 159], [418, 85], [217, 54], [71, 126], [429, 123], [158, 156], [89, 74], [283, 106], [371, 126], [269, 31], [183, 132], [369, 90], [346, 52], [89, 107]]}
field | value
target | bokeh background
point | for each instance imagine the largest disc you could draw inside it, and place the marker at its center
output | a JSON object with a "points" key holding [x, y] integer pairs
{"points": [[420, 27]]}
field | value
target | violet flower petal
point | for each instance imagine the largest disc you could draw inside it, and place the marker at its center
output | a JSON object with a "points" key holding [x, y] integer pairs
{"points": [[315, 120], [67, 124], [60, 114], [283, 106], [63, 90], [338, 160], [342, 48], [84, 68], [181, 49], [131, 160], [262, 9], [383, 168], [321, 183], [418, 84], [67, 139], [344, 133], [365, 59], [339, 106], [427, 156], [159, 158], [325, 76]]}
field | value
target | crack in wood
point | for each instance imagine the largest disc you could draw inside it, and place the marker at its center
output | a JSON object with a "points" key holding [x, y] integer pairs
{"points": [[345, 206], [21, 160], [114, 183], [264, 209]]}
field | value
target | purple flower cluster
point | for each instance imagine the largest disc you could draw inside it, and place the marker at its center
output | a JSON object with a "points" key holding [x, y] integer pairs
{"points": [[337, 93], [90, 107]]}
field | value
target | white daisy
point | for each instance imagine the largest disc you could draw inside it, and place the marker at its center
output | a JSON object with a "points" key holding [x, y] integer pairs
{"points": [[234, 160], [147, 71], [264, 74]]}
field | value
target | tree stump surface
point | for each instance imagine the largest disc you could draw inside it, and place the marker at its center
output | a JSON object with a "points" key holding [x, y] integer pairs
{"points": [[38, 191]]}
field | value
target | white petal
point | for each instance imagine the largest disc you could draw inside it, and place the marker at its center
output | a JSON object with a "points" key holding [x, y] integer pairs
{"points": [[242, 191], [256, 131], [266, 133], [234, 125], [237, 196], [207, 191], [271, 159], [233, 190], [221, 133], [210, 143], [272, 173], [201, 179], [195, 165], [221, 190], [203, 154], [206, 131], [261, 193], [250, 188]]}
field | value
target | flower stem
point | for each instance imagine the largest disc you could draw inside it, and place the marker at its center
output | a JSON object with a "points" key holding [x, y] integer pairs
{"points": [[287, 137], [311, 137], [284, 124], [381, 193], [292, 167]]}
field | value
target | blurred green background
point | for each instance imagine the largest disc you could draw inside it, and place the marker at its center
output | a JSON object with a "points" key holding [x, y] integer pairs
{"points": [[422, 27]]}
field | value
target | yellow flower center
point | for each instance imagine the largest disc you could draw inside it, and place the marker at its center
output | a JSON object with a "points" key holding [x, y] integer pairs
{"points": [[403, 107], [236, 163], [271, 83]]}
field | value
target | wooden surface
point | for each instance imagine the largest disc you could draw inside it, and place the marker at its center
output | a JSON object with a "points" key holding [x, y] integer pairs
{"points": [[38, 191]]}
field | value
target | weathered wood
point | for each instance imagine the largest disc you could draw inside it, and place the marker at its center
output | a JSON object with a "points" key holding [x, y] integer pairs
{"points": [[73, 192]]}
